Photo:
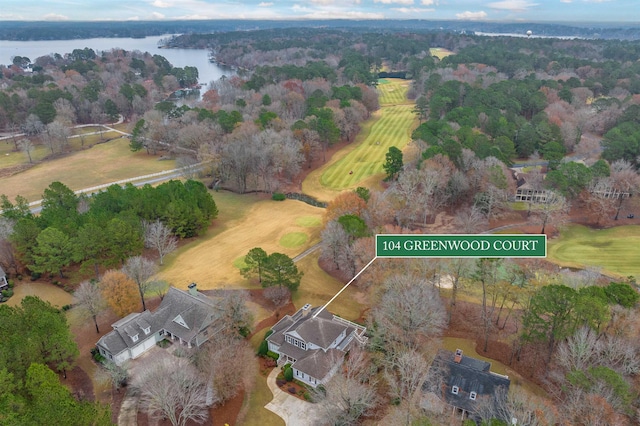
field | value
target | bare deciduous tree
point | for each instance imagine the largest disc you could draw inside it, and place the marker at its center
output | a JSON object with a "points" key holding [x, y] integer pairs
{"points": [[159, 237], [140, 269], [26, 146], [89, 299], [278, 295], [410, 310], [171, 388], [349, 395], [554, 210], [228, 363]]}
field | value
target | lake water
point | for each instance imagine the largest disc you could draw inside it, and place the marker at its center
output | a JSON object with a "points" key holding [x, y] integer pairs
{"points": [[198, 58]]}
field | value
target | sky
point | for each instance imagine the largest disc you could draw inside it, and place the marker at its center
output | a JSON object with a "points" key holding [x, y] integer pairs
{"points": [[597, 11]]}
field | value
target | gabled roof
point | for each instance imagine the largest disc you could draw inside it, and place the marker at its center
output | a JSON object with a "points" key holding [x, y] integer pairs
{"points": [[2, 274], [125, 329], [319, 364], [320, 331], [469, 375], [197, 312]]}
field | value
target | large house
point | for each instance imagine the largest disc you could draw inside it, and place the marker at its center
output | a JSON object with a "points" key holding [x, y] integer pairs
{"points": [[185, 317], [314, 342], [4, 284], [463, 382]]}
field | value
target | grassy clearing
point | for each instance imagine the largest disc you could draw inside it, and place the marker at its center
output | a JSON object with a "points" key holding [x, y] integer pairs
{"points": [[615, 250], [360, 164], [440, 52], [245, 222], [317, 288], [103, 163], [293, 239], [309, 221]]}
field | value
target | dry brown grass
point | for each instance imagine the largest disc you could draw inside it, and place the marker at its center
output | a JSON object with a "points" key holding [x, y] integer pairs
{"points": [[103, 163], [245, 222]]}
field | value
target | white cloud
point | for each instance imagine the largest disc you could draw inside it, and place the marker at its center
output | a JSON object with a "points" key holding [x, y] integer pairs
{"points": [[55, 17], [333, 13], [394, 1], [566, 1], [428, 2], [161, 4], [512, 5], [265, 4], [471, 16], [412, 9], [157, 15]]}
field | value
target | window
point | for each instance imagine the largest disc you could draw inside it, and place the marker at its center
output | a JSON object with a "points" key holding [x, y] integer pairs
{"points": [[147, 330], [472, 396], [134, 338], [454, 390]]}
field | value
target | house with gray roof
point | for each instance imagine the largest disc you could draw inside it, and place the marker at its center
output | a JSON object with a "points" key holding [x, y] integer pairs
{"points": [[187, 317], [314, 342], [4, 284], [463, 382]]}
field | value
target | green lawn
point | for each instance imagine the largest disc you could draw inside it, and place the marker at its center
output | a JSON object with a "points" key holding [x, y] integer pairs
{"points": [[353, 166], [615, 250]]}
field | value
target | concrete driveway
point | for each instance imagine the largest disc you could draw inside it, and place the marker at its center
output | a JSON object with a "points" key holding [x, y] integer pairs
{"points": [[294, 411]]}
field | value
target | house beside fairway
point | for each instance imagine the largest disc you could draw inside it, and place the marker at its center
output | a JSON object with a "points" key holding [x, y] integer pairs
{"points": [[315, 346], [4, 284], [188, 318]]}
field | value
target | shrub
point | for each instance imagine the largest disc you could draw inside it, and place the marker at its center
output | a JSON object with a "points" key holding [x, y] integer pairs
{"points": [[35, 276], [268, 333], [67, 307], [273, 355], [97, 356], [7, 293], [307, 396], [280, 382], [292, 390], [278, 196], [11, 283], [263, 348], [288, 373]]}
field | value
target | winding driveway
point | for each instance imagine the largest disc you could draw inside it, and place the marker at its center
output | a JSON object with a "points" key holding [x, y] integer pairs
{"points": [[294, 411]]}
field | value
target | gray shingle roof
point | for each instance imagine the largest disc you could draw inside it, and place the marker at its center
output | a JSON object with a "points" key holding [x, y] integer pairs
{"points": [[469, 375], [322, 331], [197, 311], [318, 364], [121, 337]]}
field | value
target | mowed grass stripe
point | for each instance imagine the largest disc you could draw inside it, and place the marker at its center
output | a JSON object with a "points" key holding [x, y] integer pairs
{"points": [[394, 92], [615, 250], [391, 129]]}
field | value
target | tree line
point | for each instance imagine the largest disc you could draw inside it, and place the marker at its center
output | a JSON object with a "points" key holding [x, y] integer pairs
{"points": [[104, 230]]}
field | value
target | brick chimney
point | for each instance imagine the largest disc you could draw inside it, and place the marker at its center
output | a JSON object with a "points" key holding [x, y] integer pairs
{"points": [[193, 289], [458, 356]]}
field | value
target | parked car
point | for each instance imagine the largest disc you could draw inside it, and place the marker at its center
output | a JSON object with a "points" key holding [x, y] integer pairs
{"points": [[630, 216]]}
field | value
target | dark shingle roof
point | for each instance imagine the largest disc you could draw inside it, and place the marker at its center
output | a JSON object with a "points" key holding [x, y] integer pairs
{"points": [[469, 375]]}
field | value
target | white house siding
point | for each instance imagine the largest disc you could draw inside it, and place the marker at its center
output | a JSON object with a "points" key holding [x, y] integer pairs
{"points": [[273, 347], [299, 375], [143, 347], [122, 357]]}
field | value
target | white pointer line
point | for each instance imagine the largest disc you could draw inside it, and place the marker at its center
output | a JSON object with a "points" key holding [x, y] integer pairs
{"points": [[344, 288]]}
